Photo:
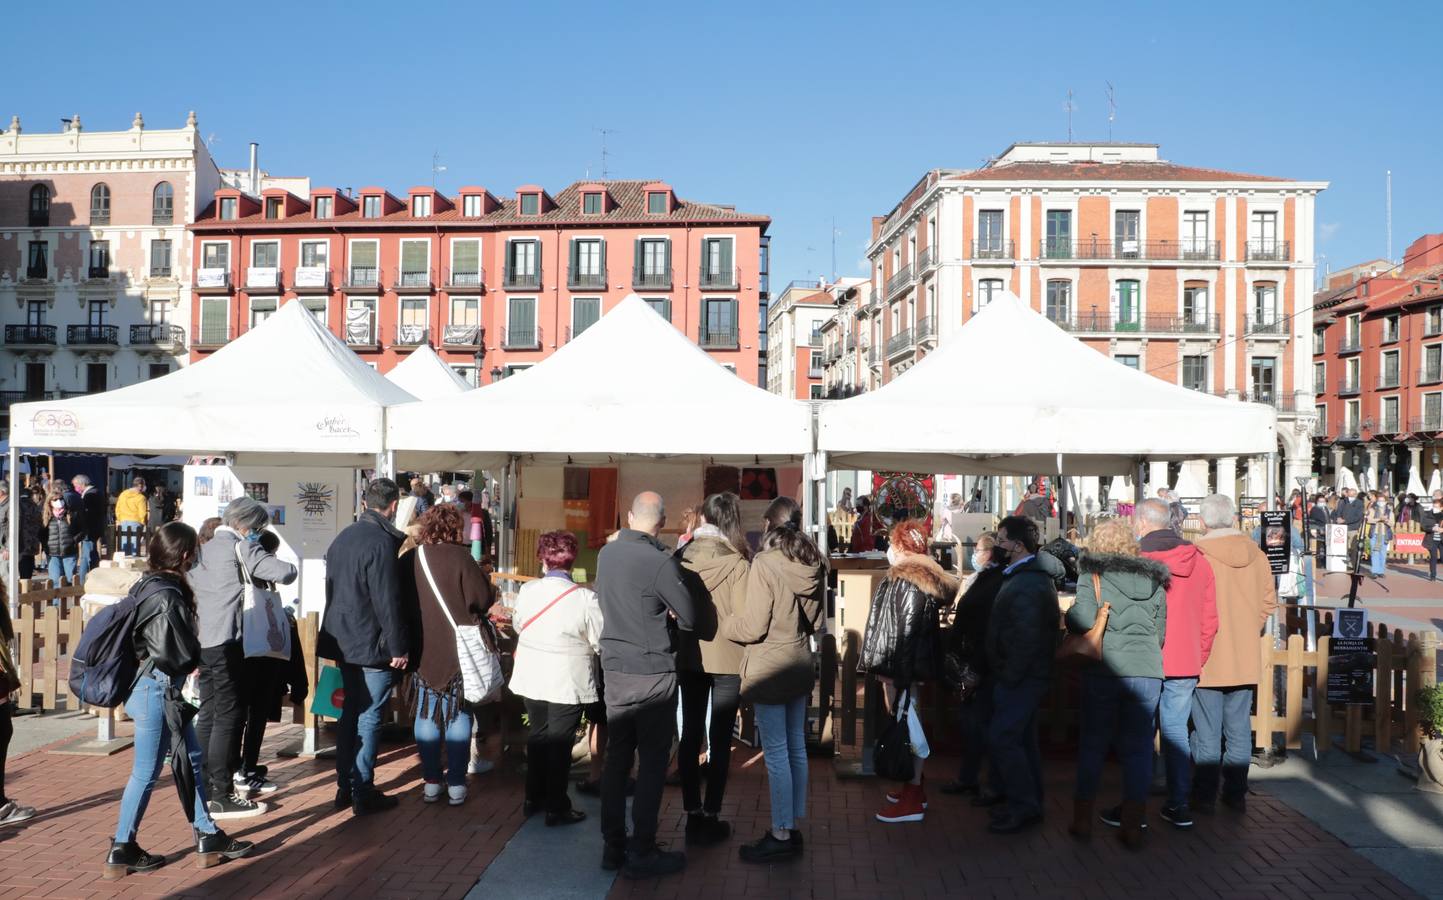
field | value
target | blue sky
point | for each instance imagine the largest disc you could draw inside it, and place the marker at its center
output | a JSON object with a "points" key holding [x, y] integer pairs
{"points": [[803, 111]]}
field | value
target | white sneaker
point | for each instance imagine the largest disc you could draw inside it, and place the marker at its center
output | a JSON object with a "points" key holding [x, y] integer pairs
{"points": [[13, 812], [479, 765], [253, 784], [455, 794], [430, 793]]}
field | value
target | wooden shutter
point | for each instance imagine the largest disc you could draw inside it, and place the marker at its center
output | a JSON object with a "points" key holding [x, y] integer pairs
{"points": [[637, 265], [601, 258], [413, 256], [726, 260], [212, 320], [575, 257], [363, 254], [666, 256], [466, 256]]}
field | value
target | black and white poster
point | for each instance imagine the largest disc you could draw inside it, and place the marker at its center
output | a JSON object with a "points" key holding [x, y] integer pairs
{"points": [[1350, 658], [1275, 539]]}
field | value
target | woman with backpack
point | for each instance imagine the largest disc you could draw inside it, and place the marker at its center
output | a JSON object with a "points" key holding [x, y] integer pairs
{"points": [[167, 650], [785, 605], [60, 535]]}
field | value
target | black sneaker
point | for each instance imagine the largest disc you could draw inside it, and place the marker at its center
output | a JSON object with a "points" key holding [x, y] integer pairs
{"points": [[1179, 815], [613, 857], [704, 830], [767, 849], [1112, 816], [654, 863], [343, 798], [372, 801], [234, 807]]}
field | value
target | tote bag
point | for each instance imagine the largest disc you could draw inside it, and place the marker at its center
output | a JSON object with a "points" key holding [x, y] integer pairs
{"points": [[330, 693], [481, 677], [264, 629]]}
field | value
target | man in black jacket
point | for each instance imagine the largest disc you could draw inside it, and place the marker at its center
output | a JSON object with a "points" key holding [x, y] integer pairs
{"points": [[1021, 639], [642, 592], [1431, 521], [1350, 512], [94, 510], [364, 631]]}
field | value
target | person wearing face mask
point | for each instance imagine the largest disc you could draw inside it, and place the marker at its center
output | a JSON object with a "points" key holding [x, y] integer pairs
{"points": [[968, 640], [1318, 525], [1431, 522], [224, 683], [60, 532]]}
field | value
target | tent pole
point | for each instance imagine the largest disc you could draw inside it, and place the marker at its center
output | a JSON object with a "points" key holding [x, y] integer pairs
{"points": [[1138, 491], [821, 500], [12, 537], [504, 538]]}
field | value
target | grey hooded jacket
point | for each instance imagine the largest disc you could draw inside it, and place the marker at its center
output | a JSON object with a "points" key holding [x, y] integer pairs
{"points": [[216, 580]]}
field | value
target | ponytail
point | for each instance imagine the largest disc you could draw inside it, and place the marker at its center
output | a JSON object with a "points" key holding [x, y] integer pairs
{"points": [[784, 533]]}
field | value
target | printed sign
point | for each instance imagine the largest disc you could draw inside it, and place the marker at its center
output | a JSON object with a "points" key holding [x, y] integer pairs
{"points": [[1337, 540], [336, 426], [1274, 535], [1350, 658], [54, 423], [1408, 543]]}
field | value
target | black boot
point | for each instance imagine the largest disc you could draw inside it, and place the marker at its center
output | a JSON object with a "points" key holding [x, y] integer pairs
{"points": [[211, 848], [127, 858]]}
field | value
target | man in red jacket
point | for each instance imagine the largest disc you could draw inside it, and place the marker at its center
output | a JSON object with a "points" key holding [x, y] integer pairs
{"points": [[1192, 623]]}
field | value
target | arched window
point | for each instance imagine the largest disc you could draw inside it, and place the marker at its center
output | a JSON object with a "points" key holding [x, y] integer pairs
{"points": [[39, 206], [163, 204], [100, 204]]}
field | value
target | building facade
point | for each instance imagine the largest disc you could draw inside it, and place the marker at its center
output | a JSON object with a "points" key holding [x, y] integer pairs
{"points": [[494, 285], [798, 356], [1378, 369], [1192, 275], [95, 264]]}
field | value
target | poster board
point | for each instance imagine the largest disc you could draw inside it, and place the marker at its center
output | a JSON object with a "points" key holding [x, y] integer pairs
{"points": [[309, 505], [1350, 658], [1275, 537], [1408, 543]]}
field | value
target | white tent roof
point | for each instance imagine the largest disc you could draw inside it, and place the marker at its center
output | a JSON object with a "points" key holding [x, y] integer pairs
{"points": [[425, 376], [1415, 484], [1029, 392], [632, 385], [1435, 481], [1347, 480], [287, 386]]}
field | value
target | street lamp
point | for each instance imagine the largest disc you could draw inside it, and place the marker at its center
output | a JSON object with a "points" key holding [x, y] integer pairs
{"points": [[495, 374]]}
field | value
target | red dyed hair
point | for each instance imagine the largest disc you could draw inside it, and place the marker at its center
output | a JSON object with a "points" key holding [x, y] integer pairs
{"points": [[556, 549], [441, 524], [908, 537]]}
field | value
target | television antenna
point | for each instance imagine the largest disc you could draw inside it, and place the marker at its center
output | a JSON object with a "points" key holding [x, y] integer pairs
{"points": [[605, 154], [1388, 174], [436, 167], [1069, 106], [1111, 109], [835, 232]]}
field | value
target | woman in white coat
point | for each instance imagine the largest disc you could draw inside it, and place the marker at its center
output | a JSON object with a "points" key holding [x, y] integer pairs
{"points": [[558, 625]]}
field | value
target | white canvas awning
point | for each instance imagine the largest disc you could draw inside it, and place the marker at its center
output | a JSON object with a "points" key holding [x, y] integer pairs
{"points": [[288, 386], [631, 386], [425, 376], [1011, 392]]}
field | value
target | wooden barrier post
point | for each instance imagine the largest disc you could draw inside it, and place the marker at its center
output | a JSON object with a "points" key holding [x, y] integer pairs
{"points": [[1266, 711], [1422, 673], [826, 694], [1293, 711], [1383, 693], [1322, 711], [851, 655]]}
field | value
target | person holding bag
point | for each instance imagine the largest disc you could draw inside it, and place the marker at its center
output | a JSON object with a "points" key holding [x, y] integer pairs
{"points": [[1120, 690], [451, 591], [558, 627]]}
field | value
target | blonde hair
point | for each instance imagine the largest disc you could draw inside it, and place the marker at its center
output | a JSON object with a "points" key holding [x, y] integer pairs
{"points": [[1113, 536]]}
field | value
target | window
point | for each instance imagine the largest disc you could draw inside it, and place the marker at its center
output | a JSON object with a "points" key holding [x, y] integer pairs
{"points": [[213, 321], [162, 204], [466, 262], [1320, 340], [1195, 304], [1264, 373], [1433, 412], [1433, 363], [816, 392], [1321, 428], [987, 290], [1320, 378], [591, 203], [1388, 378], [1059, 301], [363, 264], [521, 259], [265, 254], [371, 206], [465, 312], [39, 206], [158, 370], [990, 242], [415, 262], [653, 262], [1058, 243], [99, 259], [96, 376], [1390, 329], [157, 312], [1129, 303], [316, 306], [95, 313], [1265, 307], [521, 322], [530, 204], [1195, 243], [160, 259], [1352, 413], [37, 263], [1433, 324], [588, 263], [262, 308], [1127, 228], [1355, 331], [314, 254], [661, 305], [1390, 415], [421, 206], [324, 207], [656, 202], [1350, 377], [1263, 230], [215, 256], [912, 250], [719, 323], [360, 321], [716, 261], [100, 205], [1195, 373], [467, 374], [584, 313], [412, 327], [1131, 360], [273, 207], [35, 312], [471, 205], [227, 208]]}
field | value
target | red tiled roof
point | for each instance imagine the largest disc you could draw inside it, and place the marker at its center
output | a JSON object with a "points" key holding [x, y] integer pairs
{"points": [[630, 209], [1109, 171]]}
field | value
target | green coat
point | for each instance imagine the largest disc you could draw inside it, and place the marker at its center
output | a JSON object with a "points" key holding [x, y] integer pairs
{"points": [[1137, 623]]}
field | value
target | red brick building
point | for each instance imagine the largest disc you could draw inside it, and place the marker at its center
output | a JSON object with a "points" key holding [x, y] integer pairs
{"points": [[494, 285]]}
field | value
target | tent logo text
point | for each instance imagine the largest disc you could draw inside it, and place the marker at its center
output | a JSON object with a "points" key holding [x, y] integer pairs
{"points": [[335, 426], [54, 423]]}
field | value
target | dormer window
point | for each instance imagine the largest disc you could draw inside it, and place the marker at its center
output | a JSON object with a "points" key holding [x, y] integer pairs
{"points": [[227, 208], [656, 202], [471, 205], [530, 204], [420, 206], [591, 203], [273, 207], [371, 206], [324, 207]]}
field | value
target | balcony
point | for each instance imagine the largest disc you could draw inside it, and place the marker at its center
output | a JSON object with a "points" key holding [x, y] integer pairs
{"points": [[96, 336], [412, 336], [1102, 250], [900, 343], [468, 336], [926, 260], [900, 280], [1432, 327], [644, 280], [1387, 425], [1387, 381], [163, 336], [718, 338], [460, 282], [1320, 428], [815, 340], [708, 280], [361, 329], [522, 280], [97, 273], [414, 282], [843, 391], [265, 278], [37, 272], [1430, 374], [1320, 387], [832, 354], [363, 279], [1426, 423], [1094, 322], [993, 248], [1269, 251], [585, 280], [1349, 431], [849, 343], [212, 337], [1283, 403], [1350, 344], [1267, 326], [212, 280], [874, 355], [523, 337], [927, 329], [1348, 387], [312, 280], [42, 336]]}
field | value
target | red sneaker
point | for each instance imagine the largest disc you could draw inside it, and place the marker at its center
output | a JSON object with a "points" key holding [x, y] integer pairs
{"points": [[909, 806], [895, 796]]}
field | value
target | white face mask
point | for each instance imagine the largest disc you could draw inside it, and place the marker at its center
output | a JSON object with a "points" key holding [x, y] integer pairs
{"points": [[976, 561]]}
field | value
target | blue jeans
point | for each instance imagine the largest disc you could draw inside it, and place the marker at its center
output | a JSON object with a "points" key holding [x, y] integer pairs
{"points": [[1117, 712], [1379, 563], [428, 738], [89, 559], [146, 707], [58, 565], [785, 747], [365, 691], [1173, 710], [1012, 743], [129, 536], [1222, 738]]}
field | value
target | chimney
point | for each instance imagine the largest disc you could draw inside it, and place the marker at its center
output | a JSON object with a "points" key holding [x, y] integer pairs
{"points": [[255, 184]]}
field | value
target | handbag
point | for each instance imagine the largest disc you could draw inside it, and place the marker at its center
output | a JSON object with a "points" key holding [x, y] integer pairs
{"points": [[959, 674], [264, 628], [9, 673], [330, 693], [892, 753], [1087, 647], [481, 676]]}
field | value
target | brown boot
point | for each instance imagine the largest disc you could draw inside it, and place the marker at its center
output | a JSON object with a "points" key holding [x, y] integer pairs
{"points": [[1081, 827], [1131, 833]]}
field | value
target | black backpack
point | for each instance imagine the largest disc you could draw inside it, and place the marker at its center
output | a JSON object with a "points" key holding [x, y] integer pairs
{"points": [[103, 667]]}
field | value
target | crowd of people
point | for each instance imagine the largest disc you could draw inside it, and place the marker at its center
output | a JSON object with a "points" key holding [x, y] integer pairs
{"points": [[1372, 518]]}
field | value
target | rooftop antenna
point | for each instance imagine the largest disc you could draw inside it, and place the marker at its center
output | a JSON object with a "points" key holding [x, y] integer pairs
{"points": [[605, 154], [211, 140], [1111, 110], [1389, 174], [835, 232], [1069, 106], [436, 167]]}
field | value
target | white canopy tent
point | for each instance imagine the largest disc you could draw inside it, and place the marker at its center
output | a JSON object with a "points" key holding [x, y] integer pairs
{"points": [[1036, 400], [630, 386], [1347, 480], [425, 376], [1435, 481], [1415, 483]]}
